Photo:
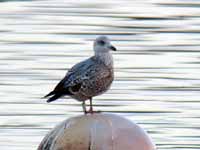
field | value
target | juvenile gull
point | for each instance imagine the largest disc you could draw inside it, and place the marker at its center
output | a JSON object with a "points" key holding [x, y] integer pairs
{"points": [[88, 78]]}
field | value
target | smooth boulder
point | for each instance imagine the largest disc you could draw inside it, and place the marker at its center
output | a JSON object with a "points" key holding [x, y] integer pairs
{"points": [[97, 131]]}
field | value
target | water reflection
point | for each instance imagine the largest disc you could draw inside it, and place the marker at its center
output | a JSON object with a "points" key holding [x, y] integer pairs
{"points": [[157, 79]]}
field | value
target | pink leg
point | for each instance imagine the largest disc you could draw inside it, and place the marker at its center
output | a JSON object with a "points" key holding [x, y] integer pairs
{"points": [[91, 107], [84, 107]]}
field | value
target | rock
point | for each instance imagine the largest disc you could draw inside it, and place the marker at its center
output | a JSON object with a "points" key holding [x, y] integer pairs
{"points": [[97, 132]]}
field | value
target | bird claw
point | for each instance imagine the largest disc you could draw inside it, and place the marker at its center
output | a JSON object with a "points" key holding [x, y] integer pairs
{"points": [[92, 112]]}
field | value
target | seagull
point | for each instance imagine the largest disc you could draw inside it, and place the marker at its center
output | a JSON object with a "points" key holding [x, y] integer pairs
{"points": [[88, 78]]}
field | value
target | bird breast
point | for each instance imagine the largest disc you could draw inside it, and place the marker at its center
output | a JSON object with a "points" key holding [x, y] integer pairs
{"points": [[106, 58]]}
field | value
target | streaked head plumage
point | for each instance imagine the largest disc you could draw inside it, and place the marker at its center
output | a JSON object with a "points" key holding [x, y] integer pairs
{"points": [[102, 45]]}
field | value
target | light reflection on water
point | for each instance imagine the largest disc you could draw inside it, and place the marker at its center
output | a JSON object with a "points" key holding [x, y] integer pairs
{"points": [[156, 66]]}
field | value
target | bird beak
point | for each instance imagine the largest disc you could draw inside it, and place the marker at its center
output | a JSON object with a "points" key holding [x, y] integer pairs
{"points": [[113, 48]]}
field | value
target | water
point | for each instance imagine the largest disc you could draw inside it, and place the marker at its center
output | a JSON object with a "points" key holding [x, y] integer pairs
{"points": [[157, 78]]}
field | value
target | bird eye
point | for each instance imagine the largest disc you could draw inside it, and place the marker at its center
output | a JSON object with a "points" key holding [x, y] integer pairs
{"points": [[101, 42]]}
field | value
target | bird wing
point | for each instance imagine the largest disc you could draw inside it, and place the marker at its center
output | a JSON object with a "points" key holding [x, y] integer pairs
{"points": [[75, 76], [90, 69], [86, 70], [78, 73]]}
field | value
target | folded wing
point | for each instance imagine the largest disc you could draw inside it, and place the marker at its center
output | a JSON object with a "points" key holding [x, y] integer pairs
{"points": [[76, 76]]}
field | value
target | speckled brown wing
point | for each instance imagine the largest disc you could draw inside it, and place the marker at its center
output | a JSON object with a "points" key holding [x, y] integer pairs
{"points": [[71, 83], [85, 80]]}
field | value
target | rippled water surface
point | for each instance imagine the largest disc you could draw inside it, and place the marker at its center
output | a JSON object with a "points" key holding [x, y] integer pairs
{"points": [[157, 77]]}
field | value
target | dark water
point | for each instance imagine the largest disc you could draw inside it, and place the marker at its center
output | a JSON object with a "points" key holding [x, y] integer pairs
{"points": [[157, 66]]}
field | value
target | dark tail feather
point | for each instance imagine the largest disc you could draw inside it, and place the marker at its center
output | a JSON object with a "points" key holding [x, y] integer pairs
{"points": [[56, 94], [51, 93], [53, 98]]}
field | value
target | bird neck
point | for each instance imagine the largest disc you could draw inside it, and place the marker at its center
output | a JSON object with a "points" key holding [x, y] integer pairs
{"points": [[106, 58]]}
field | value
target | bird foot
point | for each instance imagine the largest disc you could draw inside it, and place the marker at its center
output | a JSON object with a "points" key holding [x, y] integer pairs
{"points": [[98, 111], [92, 112]]}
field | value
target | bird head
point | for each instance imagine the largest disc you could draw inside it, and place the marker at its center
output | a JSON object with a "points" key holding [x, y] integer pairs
{"points": [[102, 45]]}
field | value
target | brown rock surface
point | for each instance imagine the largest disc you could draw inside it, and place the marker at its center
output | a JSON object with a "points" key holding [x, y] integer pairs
{"points": [[97, 132]]}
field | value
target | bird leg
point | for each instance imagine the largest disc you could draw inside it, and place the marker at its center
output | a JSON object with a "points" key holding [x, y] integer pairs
{"points": [[84, 107], [91, 107]]}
